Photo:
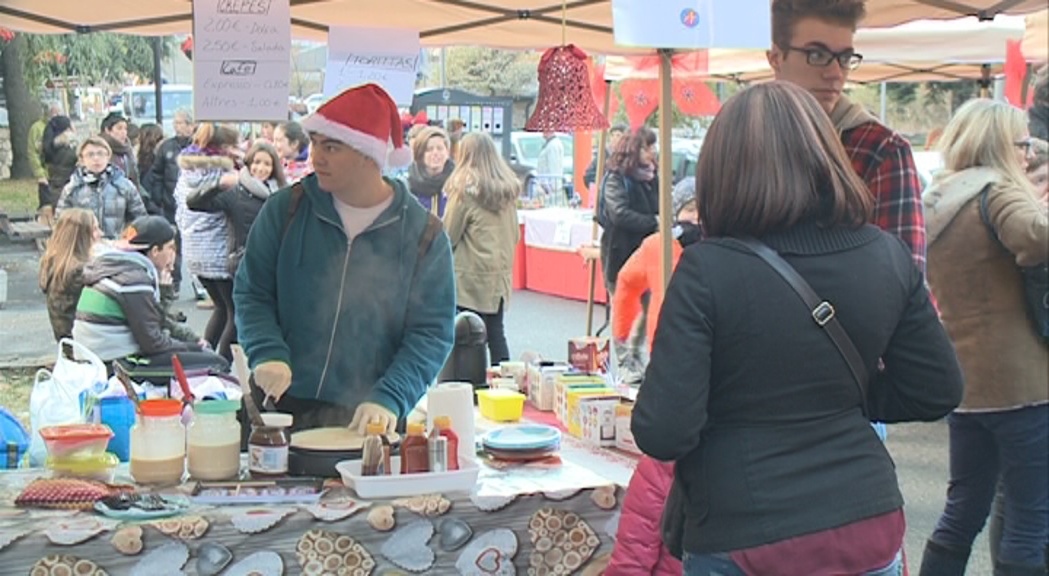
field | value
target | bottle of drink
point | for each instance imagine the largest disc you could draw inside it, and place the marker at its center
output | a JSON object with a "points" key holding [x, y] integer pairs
{"points": [[415, 456], [442, 426], [373, 462]]}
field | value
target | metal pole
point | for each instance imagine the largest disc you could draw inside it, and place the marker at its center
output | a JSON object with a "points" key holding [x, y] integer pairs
{"points": [[666, 113], [884, 100], [157, 79], [602, 139], [444, 71]]}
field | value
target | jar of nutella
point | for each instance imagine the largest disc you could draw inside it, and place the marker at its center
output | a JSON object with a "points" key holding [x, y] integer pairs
{"points": [[268, 445], [214, 440]]}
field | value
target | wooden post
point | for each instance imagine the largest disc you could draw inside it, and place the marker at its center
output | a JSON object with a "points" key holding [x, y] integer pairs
{"points": [[666, 165], [599, 174]]}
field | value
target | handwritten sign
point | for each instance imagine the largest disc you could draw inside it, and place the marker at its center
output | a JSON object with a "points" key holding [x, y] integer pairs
{"points": [[743, 24], [241, 59], [388, 57]]}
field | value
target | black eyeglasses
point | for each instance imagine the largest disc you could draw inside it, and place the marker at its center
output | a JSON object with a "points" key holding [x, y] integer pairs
{"points": [[822, 57]]}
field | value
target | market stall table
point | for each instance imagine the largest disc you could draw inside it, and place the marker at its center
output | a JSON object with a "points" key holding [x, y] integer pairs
{"points": [[537, 503], [552, 266]]}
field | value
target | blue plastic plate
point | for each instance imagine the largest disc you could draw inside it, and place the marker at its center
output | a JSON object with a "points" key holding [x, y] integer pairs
{"points": [[523, 437]]}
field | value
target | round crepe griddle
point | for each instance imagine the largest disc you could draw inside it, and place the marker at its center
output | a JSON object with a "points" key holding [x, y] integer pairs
{"points": [[336, 438]]}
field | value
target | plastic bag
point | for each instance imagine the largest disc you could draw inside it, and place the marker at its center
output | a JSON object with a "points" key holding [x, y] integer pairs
{"points": [[55, 398]]}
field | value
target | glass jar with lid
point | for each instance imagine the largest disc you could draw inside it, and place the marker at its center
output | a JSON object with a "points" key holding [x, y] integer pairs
{"points": [[214, 440], [268, 445], [158, 443]]}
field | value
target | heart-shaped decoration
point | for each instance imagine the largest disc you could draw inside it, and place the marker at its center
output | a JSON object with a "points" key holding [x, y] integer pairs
{"points": [[407, 548], [325, 552], [454, 534], [561, 495], [263, 563], [128, 540], [604, 497], [490, 554], [168, 559], [256, 520], [184, 528], [65, 564], [429, 505], [335, 510], [10, 535], [212, 558], [381, 518], [612, 526], [75, 530], [561, 542], [491, 503]]}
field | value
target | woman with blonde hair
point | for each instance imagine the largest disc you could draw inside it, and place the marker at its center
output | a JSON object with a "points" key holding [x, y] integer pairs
{"points": [[62, 266], [777, 468], [983, 223], [431, 166], [481, 221]]}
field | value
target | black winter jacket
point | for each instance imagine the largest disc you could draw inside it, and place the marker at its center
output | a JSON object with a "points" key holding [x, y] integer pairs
{"points": [[754, 402], [241, 206], [631, 214], [162, 177]]}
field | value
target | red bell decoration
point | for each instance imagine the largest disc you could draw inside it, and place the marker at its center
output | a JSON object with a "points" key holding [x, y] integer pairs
{"points": [[641, 98], [566, 102]]}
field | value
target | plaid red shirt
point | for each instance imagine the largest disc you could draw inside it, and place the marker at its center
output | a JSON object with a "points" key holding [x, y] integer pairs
{"points": [[883, 160]]}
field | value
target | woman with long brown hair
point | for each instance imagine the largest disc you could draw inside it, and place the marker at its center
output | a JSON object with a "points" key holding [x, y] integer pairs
{"points": [[481, 221], [62, 265], [778, 470], [431, 166]]}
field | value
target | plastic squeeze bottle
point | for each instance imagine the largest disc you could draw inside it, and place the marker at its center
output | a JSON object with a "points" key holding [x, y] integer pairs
{"points": [[442, 425], [373, 462], [415, 456]]}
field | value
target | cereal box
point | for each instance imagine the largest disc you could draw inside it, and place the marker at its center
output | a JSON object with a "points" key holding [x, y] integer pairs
{"points": [[572, 415], [542, 384], [566, 381], [589, 354], [597, 416], [624, 438]]}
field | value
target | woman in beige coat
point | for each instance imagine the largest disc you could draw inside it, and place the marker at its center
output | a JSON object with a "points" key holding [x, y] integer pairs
{"points": [[481, 221], [1001, 428]]}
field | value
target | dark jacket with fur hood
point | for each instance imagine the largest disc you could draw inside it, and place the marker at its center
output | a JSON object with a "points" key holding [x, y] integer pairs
{"points": [[204, 235], [241, 205]]}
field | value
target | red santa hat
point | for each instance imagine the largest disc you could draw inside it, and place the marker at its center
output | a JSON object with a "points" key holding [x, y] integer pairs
{"points": [[366, 119]]}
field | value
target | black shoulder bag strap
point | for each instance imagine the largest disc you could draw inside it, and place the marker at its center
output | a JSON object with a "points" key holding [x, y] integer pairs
{"points": [[822, 312]]}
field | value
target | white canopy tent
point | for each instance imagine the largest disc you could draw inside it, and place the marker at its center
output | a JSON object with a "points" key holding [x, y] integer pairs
{"points": [[1036, 37], [914, 52]]}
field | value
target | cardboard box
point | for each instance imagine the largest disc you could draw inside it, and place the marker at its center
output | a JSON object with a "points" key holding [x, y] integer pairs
{"points": [[572, 415], [589, 354], [568, 381], [597, 416], [542, 384], [624, 438]]}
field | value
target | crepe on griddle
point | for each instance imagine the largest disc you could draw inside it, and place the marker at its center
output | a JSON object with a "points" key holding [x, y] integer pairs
{"points": [[333, 439]]}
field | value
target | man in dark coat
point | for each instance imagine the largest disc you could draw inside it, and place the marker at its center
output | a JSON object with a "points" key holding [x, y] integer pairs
{"points": [[160, 181]]}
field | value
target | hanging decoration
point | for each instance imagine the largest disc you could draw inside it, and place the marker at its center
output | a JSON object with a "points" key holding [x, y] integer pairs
{"points": [[566, 101], [6, 35], [695, 98], [187, 47], [597, 82], [640, 99]]}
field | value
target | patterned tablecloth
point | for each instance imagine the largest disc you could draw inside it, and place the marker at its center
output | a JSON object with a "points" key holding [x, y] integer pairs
{"points": [[537, 519]]}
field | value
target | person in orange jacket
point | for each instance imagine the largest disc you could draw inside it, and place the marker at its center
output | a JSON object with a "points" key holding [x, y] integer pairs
{"points": [[642, 271], [639, 546]]}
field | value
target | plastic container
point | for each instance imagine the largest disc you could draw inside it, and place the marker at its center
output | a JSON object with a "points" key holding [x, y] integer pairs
{"points": [[98, 467], [158, 443], [397, 484], [214, 440], [501, 405], [76, 440], [117, 412], [14, 438], [415, 451]]}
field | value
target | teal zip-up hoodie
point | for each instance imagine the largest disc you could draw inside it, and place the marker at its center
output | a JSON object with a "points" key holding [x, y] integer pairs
{"points": [[351, 321]]}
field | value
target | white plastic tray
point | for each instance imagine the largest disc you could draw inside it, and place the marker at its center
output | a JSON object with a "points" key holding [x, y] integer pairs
{"points": [[396, 485]]}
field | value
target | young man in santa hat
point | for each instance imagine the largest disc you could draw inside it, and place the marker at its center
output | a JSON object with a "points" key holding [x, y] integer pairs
{"points": [[345, 297]]}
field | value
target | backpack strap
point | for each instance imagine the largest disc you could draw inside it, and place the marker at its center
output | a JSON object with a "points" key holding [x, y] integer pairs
{"points": [[297, 192]]}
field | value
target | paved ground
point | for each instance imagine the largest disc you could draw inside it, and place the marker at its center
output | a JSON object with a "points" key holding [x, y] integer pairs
{"points": [[534, 323]]}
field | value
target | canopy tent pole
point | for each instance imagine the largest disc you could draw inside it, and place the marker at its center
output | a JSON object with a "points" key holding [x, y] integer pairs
{"points": [[666, 165], [884, 100], [602, 139], [158, 80]]}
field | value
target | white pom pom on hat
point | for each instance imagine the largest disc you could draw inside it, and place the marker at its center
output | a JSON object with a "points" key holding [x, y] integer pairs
{"points": [[366, 119]]}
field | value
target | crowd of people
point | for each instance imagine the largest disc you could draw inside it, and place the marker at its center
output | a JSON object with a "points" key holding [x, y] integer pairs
{"points": [[339, 251]]}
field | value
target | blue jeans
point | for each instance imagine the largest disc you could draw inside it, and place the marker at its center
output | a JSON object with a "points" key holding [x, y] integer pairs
{"points": [[722, 565], [1013, 446]]}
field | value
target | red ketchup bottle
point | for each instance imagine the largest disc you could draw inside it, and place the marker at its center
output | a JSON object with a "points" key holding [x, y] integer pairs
{"points": [[443, 425]]}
